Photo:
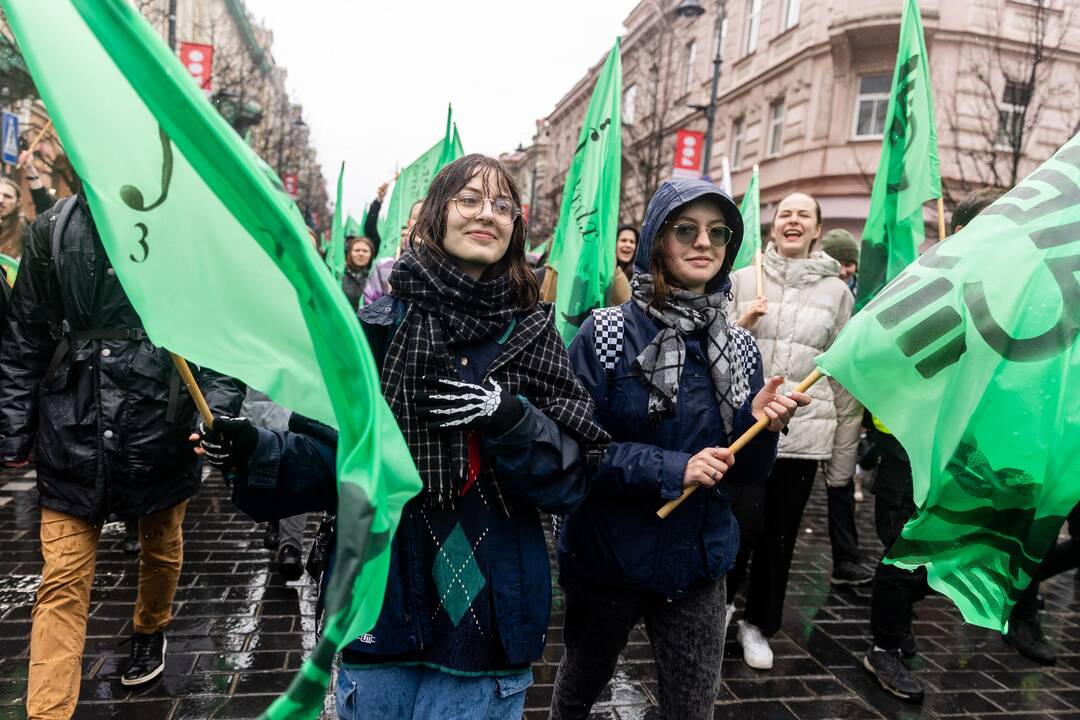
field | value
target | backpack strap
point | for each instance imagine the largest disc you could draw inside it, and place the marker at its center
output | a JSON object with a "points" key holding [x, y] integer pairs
{"points": [[63, 209], [608, 333]]}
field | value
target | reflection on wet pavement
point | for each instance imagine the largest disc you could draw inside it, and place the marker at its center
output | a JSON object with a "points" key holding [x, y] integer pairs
{"points": [[240, 633]]}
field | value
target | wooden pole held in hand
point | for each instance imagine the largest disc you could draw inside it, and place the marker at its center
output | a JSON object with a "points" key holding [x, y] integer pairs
{"points": [[193, 389], [941, 219], [759, 264], [34, 143], [738, 445]]}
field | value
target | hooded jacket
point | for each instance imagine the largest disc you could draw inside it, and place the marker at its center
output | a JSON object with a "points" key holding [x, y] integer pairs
{"points": [[808, 305], [615, 538], [109, 419]]}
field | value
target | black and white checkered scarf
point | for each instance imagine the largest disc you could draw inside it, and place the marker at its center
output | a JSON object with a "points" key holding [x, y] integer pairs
{"points": [[661, 362], [446, 307]]}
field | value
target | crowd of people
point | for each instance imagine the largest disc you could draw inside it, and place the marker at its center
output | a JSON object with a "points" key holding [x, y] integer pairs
{"points": [[505, 424]]}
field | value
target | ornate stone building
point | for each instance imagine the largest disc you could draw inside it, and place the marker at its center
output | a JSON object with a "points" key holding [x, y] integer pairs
{"points": [[803, 90]]}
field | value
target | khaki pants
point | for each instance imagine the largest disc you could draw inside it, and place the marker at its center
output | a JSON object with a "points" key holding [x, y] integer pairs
{"points": [[69, 546]]}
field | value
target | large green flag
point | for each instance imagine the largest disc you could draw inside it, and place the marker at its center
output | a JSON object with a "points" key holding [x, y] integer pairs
{"points": [[583, 249], [751, 217], [970, 357], [335, 254], [216, 260], [908, 174], [413, 182]]}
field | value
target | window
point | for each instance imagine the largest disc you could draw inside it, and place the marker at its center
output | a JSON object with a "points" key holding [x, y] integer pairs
{"points": [[1014, 102], [738, 135], [691, 55], [791, 14], [629, 104], [871, 105], [753, 22], [776, 127]]}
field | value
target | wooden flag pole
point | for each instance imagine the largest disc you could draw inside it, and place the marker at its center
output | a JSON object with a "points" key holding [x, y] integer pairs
{"points": [[193, 389], [551, 282], [760, 272], [36, 140], [738, 445], [941, 219]]}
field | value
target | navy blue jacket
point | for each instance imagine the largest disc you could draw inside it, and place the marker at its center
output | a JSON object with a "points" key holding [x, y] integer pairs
{"points": [[615, 538], [538, 466]]}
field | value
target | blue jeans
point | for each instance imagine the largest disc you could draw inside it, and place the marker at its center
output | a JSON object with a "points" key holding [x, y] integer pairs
{"points": [[373, 692]]}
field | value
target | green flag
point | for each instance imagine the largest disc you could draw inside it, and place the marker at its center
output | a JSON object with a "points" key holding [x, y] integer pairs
{"points": [[908, 174], [970, 357], [751, 217], [583, 250], [353, 228], [335, 254], [192, 219], [412, 184]]}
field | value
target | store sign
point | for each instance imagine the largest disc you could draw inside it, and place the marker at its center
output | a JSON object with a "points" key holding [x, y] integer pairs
{"points": [[688, 147], [198, 59]]}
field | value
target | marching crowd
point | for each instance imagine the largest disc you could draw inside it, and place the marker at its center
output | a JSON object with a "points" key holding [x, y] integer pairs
{"points": [[504, 423]]}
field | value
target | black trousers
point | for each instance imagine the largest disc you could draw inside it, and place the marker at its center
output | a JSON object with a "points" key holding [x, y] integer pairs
{"points": [[687, 638], [843, 535], [895, 590], [769, 521], [1062, 556]]}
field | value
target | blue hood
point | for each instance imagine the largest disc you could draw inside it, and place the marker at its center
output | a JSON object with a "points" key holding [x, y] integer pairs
{"points": [[672, 195]]}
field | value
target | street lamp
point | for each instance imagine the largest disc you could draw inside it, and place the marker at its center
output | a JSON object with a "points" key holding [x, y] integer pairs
{"points": [[693, 9]]}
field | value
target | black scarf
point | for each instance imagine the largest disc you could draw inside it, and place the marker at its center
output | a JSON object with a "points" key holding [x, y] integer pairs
{"points": [[447, 307]]}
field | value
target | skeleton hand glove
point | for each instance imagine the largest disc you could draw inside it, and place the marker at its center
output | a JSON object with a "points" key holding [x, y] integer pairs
{"points": [[453, 404], [230, 445]]}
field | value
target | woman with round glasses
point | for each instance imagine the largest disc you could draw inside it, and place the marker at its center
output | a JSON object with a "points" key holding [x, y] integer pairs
{"points": [[802, 308], [479, 382], [674, 384]]}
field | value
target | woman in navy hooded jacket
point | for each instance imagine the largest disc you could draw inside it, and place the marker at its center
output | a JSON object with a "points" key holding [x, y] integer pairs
{"points": [[674, 384], [478, 380]]}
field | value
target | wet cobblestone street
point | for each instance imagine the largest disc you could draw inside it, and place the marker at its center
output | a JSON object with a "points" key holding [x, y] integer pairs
{"points": [[240, 632]]}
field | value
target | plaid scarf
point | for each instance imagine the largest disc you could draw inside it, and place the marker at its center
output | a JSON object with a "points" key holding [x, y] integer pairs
{"points": [[661, 362], [446, 307]]}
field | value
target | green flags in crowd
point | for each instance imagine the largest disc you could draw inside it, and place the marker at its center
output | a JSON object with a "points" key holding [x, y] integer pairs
{"points": [[970, 357], [335, 254], [353, 228], [583, 250], [751, 217], [192, 218], [412, 184], [908, 174]]}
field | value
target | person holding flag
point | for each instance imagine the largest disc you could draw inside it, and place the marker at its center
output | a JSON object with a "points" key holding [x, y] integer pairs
{"points": [[479, 382], [802, 307], [378, 282], [674, 383]]}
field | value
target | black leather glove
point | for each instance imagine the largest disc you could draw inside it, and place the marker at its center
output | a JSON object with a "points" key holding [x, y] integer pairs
{"points": [[230, 445], [456, 405]]}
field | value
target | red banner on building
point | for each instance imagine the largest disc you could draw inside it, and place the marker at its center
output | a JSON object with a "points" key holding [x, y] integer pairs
{"points": [[199, 61], [292, 184], [688, 148]]}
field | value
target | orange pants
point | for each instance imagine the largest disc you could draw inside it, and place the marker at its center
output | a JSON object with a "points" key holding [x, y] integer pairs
{"points": [[69, 546]]}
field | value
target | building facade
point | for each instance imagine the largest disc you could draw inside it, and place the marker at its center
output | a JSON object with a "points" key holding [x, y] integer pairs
{"points": [[803, 90]]}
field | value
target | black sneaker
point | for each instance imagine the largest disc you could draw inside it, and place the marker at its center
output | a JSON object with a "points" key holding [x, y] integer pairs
{"points": [[147, 659], [289, 564], [1026, 636], [893, 675], [270, 539], [851, 573]]}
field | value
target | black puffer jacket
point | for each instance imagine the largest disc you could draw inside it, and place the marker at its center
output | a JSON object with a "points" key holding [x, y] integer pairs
{"points": [[109, 415]]}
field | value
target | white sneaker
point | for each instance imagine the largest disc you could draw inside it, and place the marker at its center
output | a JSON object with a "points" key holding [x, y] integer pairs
{"points": [[755, 647], [728, 615]]}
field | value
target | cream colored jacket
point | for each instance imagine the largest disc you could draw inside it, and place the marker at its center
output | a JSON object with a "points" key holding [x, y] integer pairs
{"points": [[808, 304]]}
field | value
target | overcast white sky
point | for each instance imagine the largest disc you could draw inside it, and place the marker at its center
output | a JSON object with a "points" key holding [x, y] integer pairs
{"points": [[375, 76]]}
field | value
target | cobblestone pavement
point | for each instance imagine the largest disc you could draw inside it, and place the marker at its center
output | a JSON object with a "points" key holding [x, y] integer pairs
{"points": [[240, 632]]}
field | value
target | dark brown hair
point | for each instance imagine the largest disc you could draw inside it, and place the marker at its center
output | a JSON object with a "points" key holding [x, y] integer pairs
{"points": [[430, 228], [972, 204]]}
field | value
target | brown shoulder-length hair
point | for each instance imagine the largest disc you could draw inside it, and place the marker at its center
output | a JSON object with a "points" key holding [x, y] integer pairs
{"points": [[430, 229]]}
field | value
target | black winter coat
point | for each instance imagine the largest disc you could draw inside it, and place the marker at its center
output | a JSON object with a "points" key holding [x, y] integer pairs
{"points": [[108, 415]]}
